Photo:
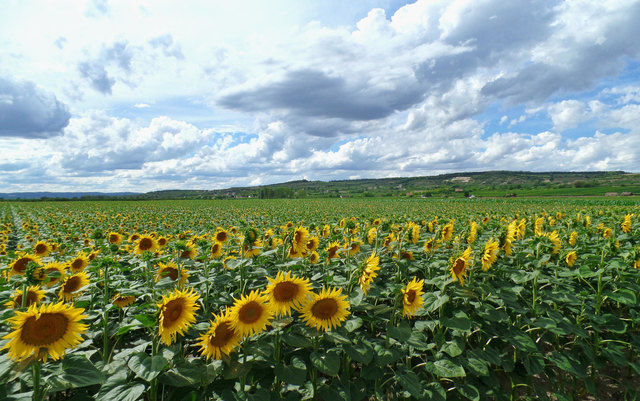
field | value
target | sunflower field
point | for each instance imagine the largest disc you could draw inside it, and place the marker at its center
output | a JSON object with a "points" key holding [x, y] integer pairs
{"points": [[383, 299]]}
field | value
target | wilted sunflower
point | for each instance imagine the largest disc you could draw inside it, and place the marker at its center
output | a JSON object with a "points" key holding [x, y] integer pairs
{"points": [[72, 285], [490, 255], [459, 266], [122, 301], [571, 258], [115, 238], [299, 240], [56, 273], [19, 265], [78, 263], [177, 313], [45, 331], [326, 310], [216, 250], [145, 243], [412, 297], [286, 292], [41, 249], [369, 272], [220, 339], [171, 270], [34, 297], [251, 313]]}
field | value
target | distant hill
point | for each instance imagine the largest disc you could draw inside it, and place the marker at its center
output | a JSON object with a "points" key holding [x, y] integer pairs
{"points": [[478, 184], [65, 195]]}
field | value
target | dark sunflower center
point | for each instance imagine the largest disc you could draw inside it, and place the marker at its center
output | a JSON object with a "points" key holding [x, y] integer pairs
{"points": [[171, 272], [285, 291], [250, 313], [172, 312], [324, 309], [221, 237], [222, 335], [21, 264], [72, 284], [145, 244], [41, 248], [215, 248], [76, 264], [162, 241], [45, 330], [113, 238], [458, 266], [410, 296], [298, 237]]}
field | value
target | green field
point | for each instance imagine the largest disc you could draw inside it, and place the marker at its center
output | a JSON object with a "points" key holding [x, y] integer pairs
{"points": [[327, 299]]}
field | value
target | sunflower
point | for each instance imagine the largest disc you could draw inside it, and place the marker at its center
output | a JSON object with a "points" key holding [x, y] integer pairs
{"points": [[490, 255], [226, 260], [314, 257], [251, 313], [115, 238], [216, 250], [510, 236], [431, 245], [176, 314], [19, 264], [607, 233], [625, 226], [122, 301], [286, 292], [78, 263], [571, 258], [171, 270], [221, 236], [71, 286], [221, 338], [369, 272], [326, 230], [408, 255], [252, 249], [447, 232], [473, 233], [459, 266], [326, 310], [555, 240], [41, 249], [134, 237], [413, 231], [55, 271], [333, 249], [188, 253], [537, 226], [313, 244], [34, 297], [371, 235], [412, 297], [145, 243], [300, 239], [354, 248], [573, 238], [162, 241], [45, 331]]}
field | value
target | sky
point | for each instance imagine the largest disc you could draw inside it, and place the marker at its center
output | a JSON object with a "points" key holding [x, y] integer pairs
{"points": [[145, 95]]}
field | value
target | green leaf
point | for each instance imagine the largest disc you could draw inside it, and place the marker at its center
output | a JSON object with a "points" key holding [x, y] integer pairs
{"points": [[125, 329], [446, 368], [76, 371], [520, 276], [329, 363], [146, 320], [359, 351], [331, 393], [353, 324], [623, 296], [119, 388], [460, 321], [296, 340], [433, 301], [385, 356], [477, 366], [146, 367], [401, 332], [236, 369], [409, 381], [521, 340], [470, 392], [296, 373], [451, 348], [435, 392], [488, 312], [568, 364], [533, 364]]}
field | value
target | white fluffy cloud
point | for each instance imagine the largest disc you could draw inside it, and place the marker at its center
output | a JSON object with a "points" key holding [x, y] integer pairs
{"points": [[107, 95]]}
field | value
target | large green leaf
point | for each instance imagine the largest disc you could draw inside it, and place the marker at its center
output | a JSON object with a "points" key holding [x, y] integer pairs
{"points": [[459, 321], [569, 364], [446, 368], [401, 332], [409, 381], [117, 387], [75, 371], [146, 367], [359, 351], [296, 373], [328, 363]]}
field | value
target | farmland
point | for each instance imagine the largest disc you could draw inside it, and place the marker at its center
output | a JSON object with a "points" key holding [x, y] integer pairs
{"points": [[336, 299]]}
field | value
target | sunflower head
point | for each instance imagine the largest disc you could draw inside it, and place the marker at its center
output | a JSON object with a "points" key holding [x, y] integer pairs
{"points": [[115, 238], [34, 296], [286, 292], [251, 313], [221, 338], [177, 314], [41, 249], [19, 265], [45, 331], [145, 243], [122, 301], [412, 297], [72, 286], [172, 271], [221, 235], [326, 310], [79, 263]]}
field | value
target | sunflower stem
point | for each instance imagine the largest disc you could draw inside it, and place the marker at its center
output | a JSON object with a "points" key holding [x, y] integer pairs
{"points": [[25, 294], [105, 321], [153, 385], [37, 390]]}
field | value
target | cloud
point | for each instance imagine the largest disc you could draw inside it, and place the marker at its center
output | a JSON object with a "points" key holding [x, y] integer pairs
{"points": [[97, 76], [30, 112], [567, 114]]}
